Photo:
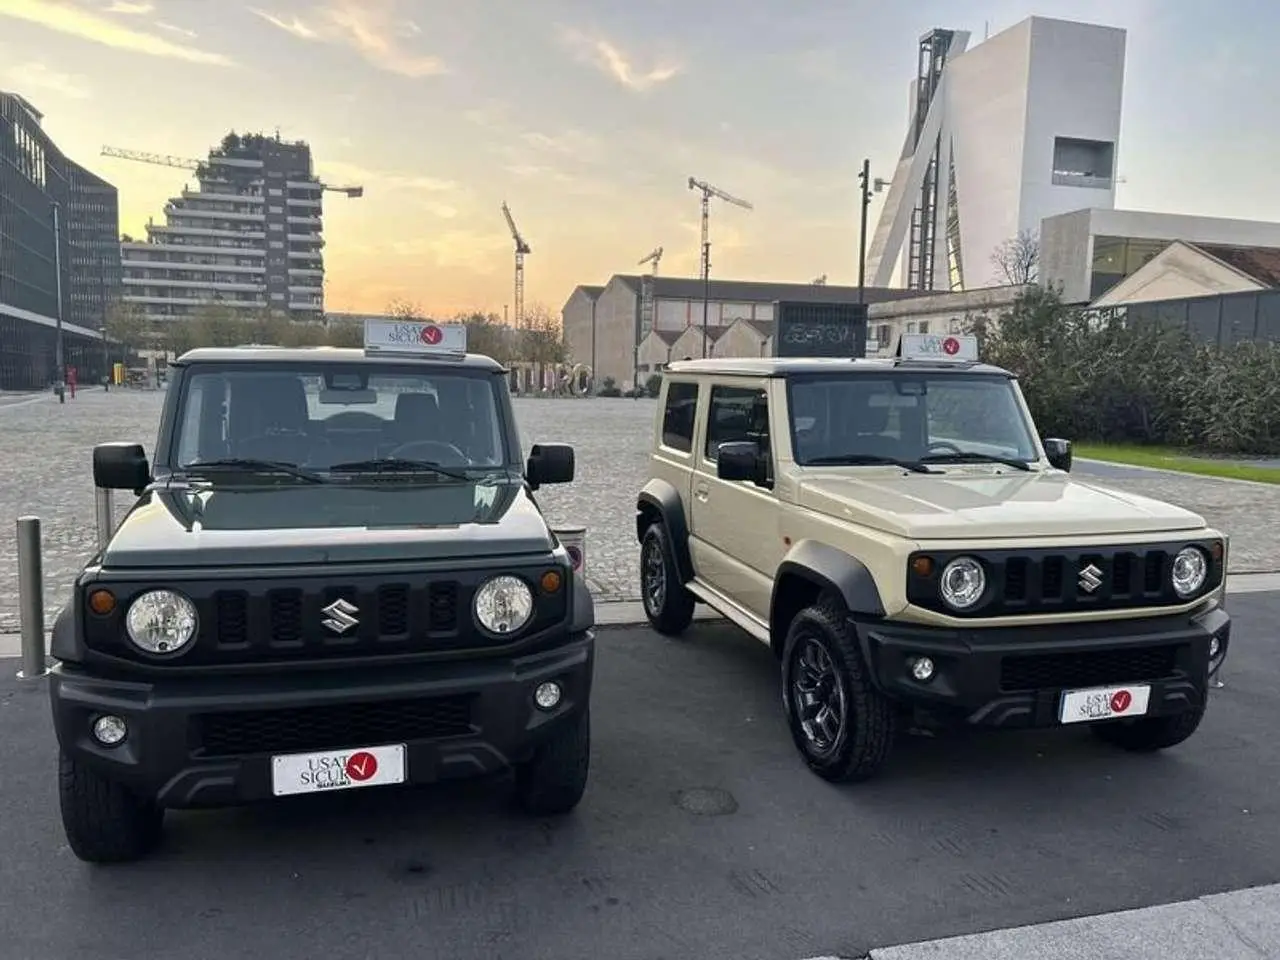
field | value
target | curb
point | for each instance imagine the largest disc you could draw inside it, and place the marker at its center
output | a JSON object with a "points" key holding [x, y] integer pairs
{"points": [[1166, 470]]}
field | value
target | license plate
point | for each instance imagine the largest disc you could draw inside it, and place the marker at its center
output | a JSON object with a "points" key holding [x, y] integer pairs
{"points": [[1104, 703], [337, 769]]}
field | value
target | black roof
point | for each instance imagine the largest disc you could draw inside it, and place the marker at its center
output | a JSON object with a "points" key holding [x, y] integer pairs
{"points": [[267, 354], [752, 291], [790, 366]]}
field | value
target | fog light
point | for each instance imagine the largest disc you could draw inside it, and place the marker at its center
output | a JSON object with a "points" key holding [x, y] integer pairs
{"points": [[109, 730], [922, 669], [1214, 646], [547, 695]]}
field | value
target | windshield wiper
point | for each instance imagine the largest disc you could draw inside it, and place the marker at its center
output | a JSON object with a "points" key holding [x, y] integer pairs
{"points": [[972, 457], [866, 459], [396, 465], [248, 464]]}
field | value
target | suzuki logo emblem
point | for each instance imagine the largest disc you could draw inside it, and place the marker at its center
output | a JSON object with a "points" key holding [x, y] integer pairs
{"points": [[341, 616], [1090, 579]]}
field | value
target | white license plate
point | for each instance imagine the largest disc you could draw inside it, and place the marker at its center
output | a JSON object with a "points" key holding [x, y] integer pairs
{"points": [[337, 769], [1104, 703]]}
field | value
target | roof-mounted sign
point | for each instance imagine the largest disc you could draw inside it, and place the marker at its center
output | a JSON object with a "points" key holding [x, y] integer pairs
{"points": [[417, 338], [944, 347]]}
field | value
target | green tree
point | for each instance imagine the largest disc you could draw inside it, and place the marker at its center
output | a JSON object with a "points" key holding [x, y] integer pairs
{"points": [[126, 324]]}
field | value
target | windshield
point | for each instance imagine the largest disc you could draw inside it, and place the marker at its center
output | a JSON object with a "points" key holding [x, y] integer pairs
{"points": [[323, 416], [908, 417]]}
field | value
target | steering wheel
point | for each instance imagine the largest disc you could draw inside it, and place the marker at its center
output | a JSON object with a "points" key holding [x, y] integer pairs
{"points": [[947, 444], [432, 451]]}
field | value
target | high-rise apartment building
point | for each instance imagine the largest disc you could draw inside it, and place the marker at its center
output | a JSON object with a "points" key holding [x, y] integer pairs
{"points": [[247, 237]]}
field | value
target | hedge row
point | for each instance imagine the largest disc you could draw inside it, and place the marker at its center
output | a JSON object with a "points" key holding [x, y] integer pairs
{"points": [[1112, 382]]}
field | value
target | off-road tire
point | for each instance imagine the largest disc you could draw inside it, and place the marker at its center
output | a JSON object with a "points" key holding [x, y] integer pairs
{"points": [[1149, 734], [672, 616], [554, 780], [869, 727], [103, 820]]}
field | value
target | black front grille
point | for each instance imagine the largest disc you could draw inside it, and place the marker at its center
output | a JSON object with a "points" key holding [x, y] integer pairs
{"points": [[1063, 581], [302, 729], [1087, 669]]}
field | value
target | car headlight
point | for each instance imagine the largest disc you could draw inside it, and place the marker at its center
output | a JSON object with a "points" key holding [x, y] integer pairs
{"points": [[962, 583], [503, 605], [161, 621], [1190, 568]]}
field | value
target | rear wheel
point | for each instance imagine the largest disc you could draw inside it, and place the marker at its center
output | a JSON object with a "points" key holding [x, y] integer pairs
{"points": [[554, 781], [667, 604], [1148, 734], [841, 724], [104, 821]]}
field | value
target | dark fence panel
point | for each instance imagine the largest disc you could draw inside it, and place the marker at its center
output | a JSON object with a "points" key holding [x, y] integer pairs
{"points": [[1224, 319]]}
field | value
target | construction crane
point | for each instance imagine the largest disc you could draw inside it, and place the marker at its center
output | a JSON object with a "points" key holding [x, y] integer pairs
{"points": [[521, 249], [184, 163], [655, 258], [708, 191]]}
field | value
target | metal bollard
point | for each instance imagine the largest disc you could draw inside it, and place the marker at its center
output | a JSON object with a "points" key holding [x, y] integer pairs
{"points": [[31, 599], [575, 542], [104, 514]]}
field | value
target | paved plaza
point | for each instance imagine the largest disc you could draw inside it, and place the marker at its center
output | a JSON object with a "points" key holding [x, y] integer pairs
{"points": [[49, 473]]}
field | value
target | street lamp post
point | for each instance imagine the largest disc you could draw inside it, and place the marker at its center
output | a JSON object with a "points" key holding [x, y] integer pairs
{"points": [[865, 178], [57, 271]]}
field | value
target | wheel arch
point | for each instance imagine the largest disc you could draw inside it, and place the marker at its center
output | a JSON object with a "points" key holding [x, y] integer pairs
{"points": [[660, 502], [811, 570]]}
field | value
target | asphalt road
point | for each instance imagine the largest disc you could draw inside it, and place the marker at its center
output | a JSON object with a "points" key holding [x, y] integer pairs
{"points": [[962, 834]]}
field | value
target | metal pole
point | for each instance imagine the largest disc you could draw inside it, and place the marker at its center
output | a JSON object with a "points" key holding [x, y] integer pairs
{"points": [[104, 514], [31, 598], [865, 177], [57, 272], [706, 293]]}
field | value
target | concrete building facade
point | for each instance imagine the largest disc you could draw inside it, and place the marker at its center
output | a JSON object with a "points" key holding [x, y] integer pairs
{"points": [[248, 237], [1023, 126]]}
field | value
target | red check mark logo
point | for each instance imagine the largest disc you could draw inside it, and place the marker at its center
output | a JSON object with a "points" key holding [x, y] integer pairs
{"points": [[361, 766]]}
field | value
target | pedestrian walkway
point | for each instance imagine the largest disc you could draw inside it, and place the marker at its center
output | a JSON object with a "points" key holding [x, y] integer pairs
{"points": [[1244, 925]]}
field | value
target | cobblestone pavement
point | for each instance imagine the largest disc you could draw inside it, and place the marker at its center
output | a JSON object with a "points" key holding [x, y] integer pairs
{"points": [[49, 473]]}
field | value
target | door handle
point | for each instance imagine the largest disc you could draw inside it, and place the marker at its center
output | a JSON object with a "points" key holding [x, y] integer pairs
{"points": [[701, 492]]}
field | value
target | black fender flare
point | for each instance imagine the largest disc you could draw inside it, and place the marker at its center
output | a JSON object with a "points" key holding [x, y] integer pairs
{"points": [[64, 643], [661, 497], [827, 569], [582, 616]]}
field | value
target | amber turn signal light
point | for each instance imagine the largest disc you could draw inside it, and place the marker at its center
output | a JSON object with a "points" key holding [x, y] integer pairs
{"points": [[1216, 550], [922, 566], [102, 602], [551, 581]]}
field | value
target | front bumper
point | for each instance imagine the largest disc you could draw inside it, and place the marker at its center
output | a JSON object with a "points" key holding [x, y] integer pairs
{"points": [[209, 742], [1015, 676]]}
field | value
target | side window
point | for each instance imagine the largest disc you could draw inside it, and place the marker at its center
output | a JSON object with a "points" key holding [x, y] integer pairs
{"points": [[678, 416], [737, 413]]}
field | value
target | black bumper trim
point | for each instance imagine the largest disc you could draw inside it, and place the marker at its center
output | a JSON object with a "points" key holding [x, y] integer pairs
{"points": [[164, 757], [972, 685]]}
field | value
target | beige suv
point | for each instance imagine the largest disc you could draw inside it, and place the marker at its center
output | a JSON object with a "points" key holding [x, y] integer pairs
{"points": [[914, 553]]}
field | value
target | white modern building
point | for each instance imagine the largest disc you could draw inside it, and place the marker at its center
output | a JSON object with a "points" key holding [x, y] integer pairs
{"points": [[248, 237], [1023, 126]]}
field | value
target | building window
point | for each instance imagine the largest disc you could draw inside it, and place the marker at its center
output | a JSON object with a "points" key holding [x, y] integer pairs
{"points": [[678, 416], [1083, 163]]}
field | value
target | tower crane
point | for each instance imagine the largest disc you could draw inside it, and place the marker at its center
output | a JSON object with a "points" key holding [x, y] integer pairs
{"points": [[184, 163], [708, 191], [655, 258], [521, 249]]}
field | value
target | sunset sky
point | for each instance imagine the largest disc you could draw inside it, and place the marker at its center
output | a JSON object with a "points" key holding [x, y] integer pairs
{"points": [[588, 119]]}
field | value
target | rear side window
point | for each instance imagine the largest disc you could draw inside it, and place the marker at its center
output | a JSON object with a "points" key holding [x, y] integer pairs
{"points": [[678, 416]]}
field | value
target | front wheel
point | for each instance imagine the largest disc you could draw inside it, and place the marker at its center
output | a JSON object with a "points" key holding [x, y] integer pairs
{"points": [[667, 604], [104, 821], [1149, 734], [554, 781], [842, 725]]}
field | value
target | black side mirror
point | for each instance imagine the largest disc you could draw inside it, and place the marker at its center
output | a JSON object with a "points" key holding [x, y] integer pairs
{"points": [[121, 466], [549, 463], [1058, 452], [741, 460]]}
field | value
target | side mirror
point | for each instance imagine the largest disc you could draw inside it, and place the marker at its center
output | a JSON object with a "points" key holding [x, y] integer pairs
{"points": [[549, 463], [741, 460], [1058, 452], [120, 466]]}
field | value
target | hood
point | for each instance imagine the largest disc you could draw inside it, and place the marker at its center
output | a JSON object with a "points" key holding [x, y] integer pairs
{"points": [[966, 505], [221, 526]]}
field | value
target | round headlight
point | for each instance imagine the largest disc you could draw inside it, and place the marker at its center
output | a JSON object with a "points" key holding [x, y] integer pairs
{"points": [[161, 621], [1190, 567], [504, 605], [962, 583]]}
